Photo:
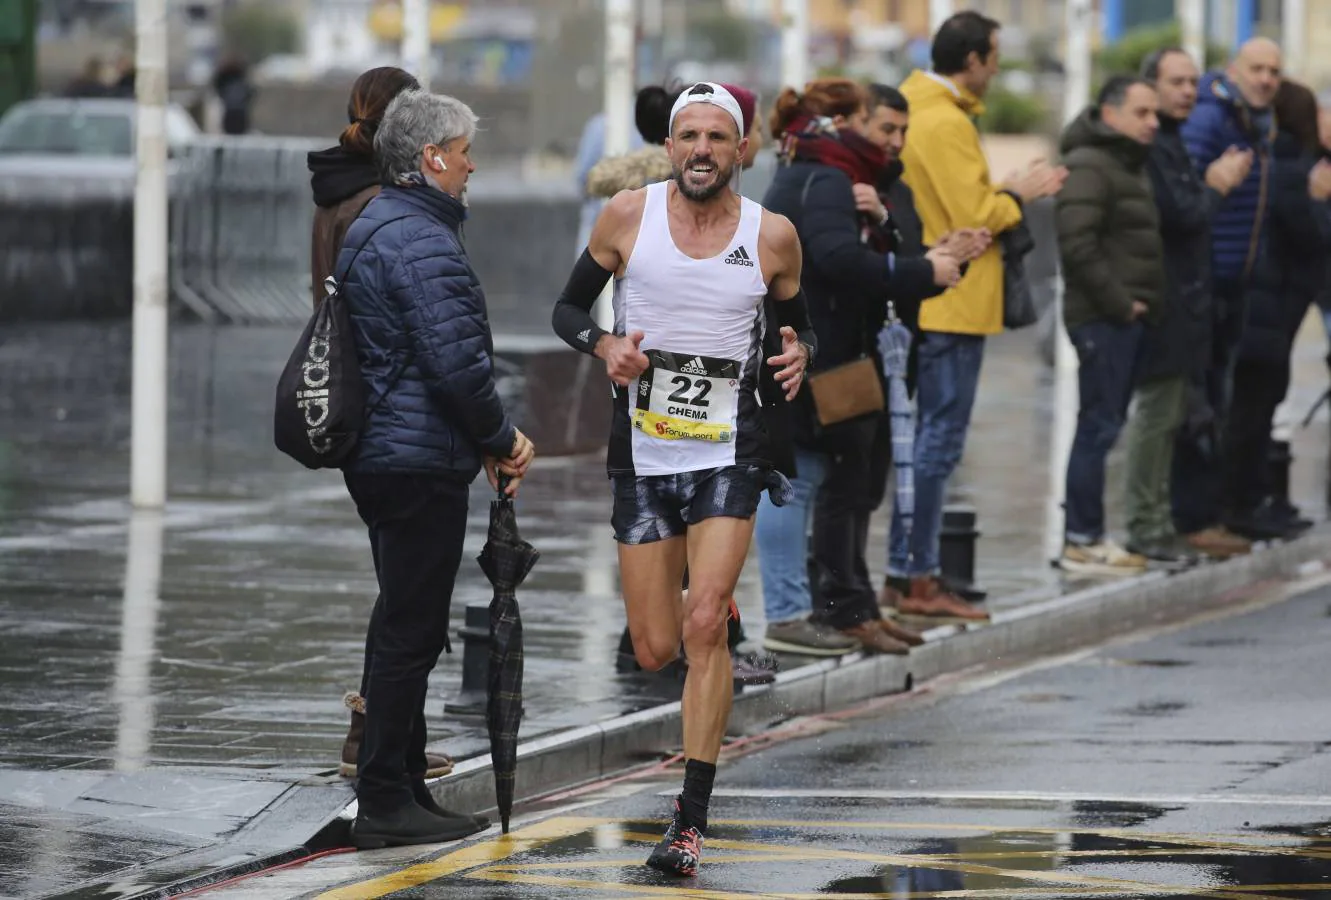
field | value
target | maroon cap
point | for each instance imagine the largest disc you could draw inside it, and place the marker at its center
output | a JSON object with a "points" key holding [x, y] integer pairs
{"points": [[748, 104]]}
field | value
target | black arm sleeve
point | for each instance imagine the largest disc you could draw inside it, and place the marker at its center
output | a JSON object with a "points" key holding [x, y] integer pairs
{"points": [[795, 314], [572, 318]]}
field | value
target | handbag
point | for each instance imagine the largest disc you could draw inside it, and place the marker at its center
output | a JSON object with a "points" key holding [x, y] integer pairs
{"points": [[1018, 302], [846, 392]]}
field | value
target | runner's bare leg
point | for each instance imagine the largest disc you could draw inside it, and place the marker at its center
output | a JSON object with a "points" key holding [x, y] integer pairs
{"points": [[650, 576], [717, 550]]}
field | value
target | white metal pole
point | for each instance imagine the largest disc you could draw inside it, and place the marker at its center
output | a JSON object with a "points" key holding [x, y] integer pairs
{"points": [[794, 43], [1294, 36], [132, 689], [617, 102], [149, 392], [619, 75], [1077, 88], [939, 12], [1077, 61], [1226, 13], [416, 39], [1192, 19]]}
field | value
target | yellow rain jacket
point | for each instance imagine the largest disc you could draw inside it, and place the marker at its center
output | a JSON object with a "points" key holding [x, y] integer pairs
{"points": [[947, 170]]}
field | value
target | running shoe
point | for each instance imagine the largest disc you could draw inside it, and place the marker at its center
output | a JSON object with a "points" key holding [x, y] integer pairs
{"points": [[680, 851]]}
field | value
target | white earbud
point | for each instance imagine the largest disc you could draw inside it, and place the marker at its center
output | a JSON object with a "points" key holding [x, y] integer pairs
{"points": [[442, 166]]}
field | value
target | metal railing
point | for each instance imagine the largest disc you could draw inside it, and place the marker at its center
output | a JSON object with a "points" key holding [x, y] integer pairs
{"points": [[241, 219]]}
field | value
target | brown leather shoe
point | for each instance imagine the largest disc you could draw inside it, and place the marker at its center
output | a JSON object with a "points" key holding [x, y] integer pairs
{"points": [[1219, 543], [891, 594], [436, 766], [901, 633], [875, 639], [929, 600]]}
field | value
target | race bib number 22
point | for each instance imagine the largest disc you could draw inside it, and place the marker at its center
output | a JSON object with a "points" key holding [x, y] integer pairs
{"points": [[682, 397]]}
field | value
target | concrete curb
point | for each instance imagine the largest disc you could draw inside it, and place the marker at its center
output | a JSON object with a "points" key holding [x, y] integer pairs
{"points": [[592, 752]]}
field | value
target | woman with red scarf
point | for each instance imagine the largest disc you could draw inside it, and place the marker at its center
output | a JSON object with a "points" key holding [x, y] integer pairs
{"points": [[849, 275]]}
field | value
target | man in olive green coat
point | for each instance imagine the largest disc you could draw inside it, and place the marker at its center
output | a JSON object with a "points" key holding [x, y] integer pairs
{"points": [[1113, 273]]}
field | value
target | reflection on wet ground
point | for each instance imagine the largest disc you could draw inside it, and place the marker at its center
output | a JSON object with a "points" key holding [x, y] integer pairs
{"points": [[223, 633], [815, 847]]}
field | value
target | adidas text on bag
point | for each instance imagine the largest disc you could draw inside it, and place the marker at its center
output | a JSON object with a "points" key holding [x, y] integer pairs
{"points": [[320, 404]]}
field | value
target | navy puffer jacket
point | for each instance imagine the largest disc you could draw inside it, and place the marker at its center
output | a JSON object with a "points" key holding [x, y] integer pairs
{"points": [[1222, 120], [422, 340]]}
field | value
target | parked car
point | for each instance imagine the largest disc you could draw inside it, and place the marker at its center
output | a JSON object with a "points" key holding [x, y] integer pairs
{"points": [[78, 144]]}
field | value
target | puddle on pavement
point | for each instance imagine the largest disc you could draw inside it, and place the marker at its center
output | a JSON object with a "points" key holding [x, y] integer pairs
{"points": [[1150, 663], [1155, 709], [1210, 643]]}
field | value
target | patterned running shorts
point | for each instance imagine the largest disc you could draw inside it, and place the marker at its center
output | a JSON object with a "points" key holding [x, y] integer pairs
{"points": [[652, 508]]}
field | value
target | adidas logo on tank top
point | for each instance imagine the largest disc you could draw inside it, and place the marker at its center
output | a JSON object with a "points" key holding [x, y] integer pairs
{"points": [[740, 258]]}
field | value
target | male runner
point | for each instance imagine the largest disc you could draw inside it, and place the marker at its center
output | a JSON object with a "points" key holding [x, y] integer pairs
{"points": [[693, 262]]}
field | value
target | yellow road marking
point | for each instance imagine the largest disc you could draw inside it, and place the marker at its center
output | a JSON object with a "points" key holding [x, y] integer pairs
{"points": [[683, 891], [1234, 844], [924, 861], [485, 861], [467, 857], [807, 855]]}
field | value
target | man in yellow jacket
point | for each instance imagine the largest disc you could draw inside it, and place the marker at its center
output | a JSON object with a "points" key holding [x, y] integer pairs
{"points": [[946, 168]]}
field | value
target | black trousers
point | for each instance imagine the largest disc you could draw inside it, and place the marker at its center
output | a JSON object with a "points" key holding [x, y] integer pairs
{"points": [[1259, 387], [1199, 454], [417, 525], [844, 595]]}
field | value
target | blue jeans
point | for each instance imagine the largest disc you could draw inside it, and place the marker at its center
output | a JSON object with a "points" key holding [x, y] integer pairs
{"points": [[782, 537], [1107, 357], [949, 377]]}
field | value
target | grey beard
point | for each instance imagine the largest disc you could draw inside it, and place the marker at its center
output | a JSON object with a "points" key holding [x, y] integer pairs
{"points": [[723, 181]]}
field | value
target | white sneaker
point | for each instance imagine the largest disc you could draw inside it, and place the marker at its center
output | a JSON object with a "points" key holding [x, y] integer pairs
{"points": [[1104, 558]]}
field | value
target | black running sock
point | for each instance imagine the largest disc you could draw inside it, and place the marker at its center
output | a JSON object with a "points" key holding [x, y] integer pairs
{"points": [[697, 794]]}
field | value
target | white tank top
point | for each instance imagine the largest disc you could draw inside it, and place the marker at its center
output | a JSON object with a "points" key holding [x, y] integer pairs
{"points": [[696, 407]]}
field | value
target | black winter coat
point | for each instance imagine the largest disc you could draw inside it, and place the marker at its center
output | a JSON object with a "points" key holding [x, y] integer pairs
{"points": [[1178, 343], [1291, 263], [847, 283]]}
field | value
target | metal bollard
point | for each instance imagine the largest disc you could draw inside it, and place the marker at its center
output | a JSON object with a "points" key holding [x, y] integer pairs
{"points": [[475, 634], [956, 545]]}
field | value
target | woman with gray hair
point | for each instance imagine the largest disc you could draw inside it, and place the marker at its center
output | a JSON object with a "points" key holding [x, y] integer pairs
{"points": [[433, 419]]}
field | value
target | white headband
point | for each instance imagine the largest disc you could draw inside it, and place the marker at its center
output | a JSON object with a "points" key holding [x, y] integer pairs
{"points": [[709, 92]]}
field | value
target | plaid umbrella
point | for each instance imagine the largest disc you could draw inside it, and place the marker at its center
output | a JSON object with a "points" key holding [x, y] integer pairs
{"points": [[506, 560], [894, 347]]}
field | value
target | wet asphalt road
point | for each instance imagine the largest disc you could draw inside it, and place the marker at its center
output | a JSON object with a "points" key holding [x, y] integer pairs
{"points": [[1190, 763]]}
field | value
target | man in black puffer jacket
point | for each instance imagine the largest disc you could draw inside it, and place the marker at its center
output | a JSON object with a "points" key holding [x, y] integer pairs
{"points": [[1175, 354], [1114, 274]]}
